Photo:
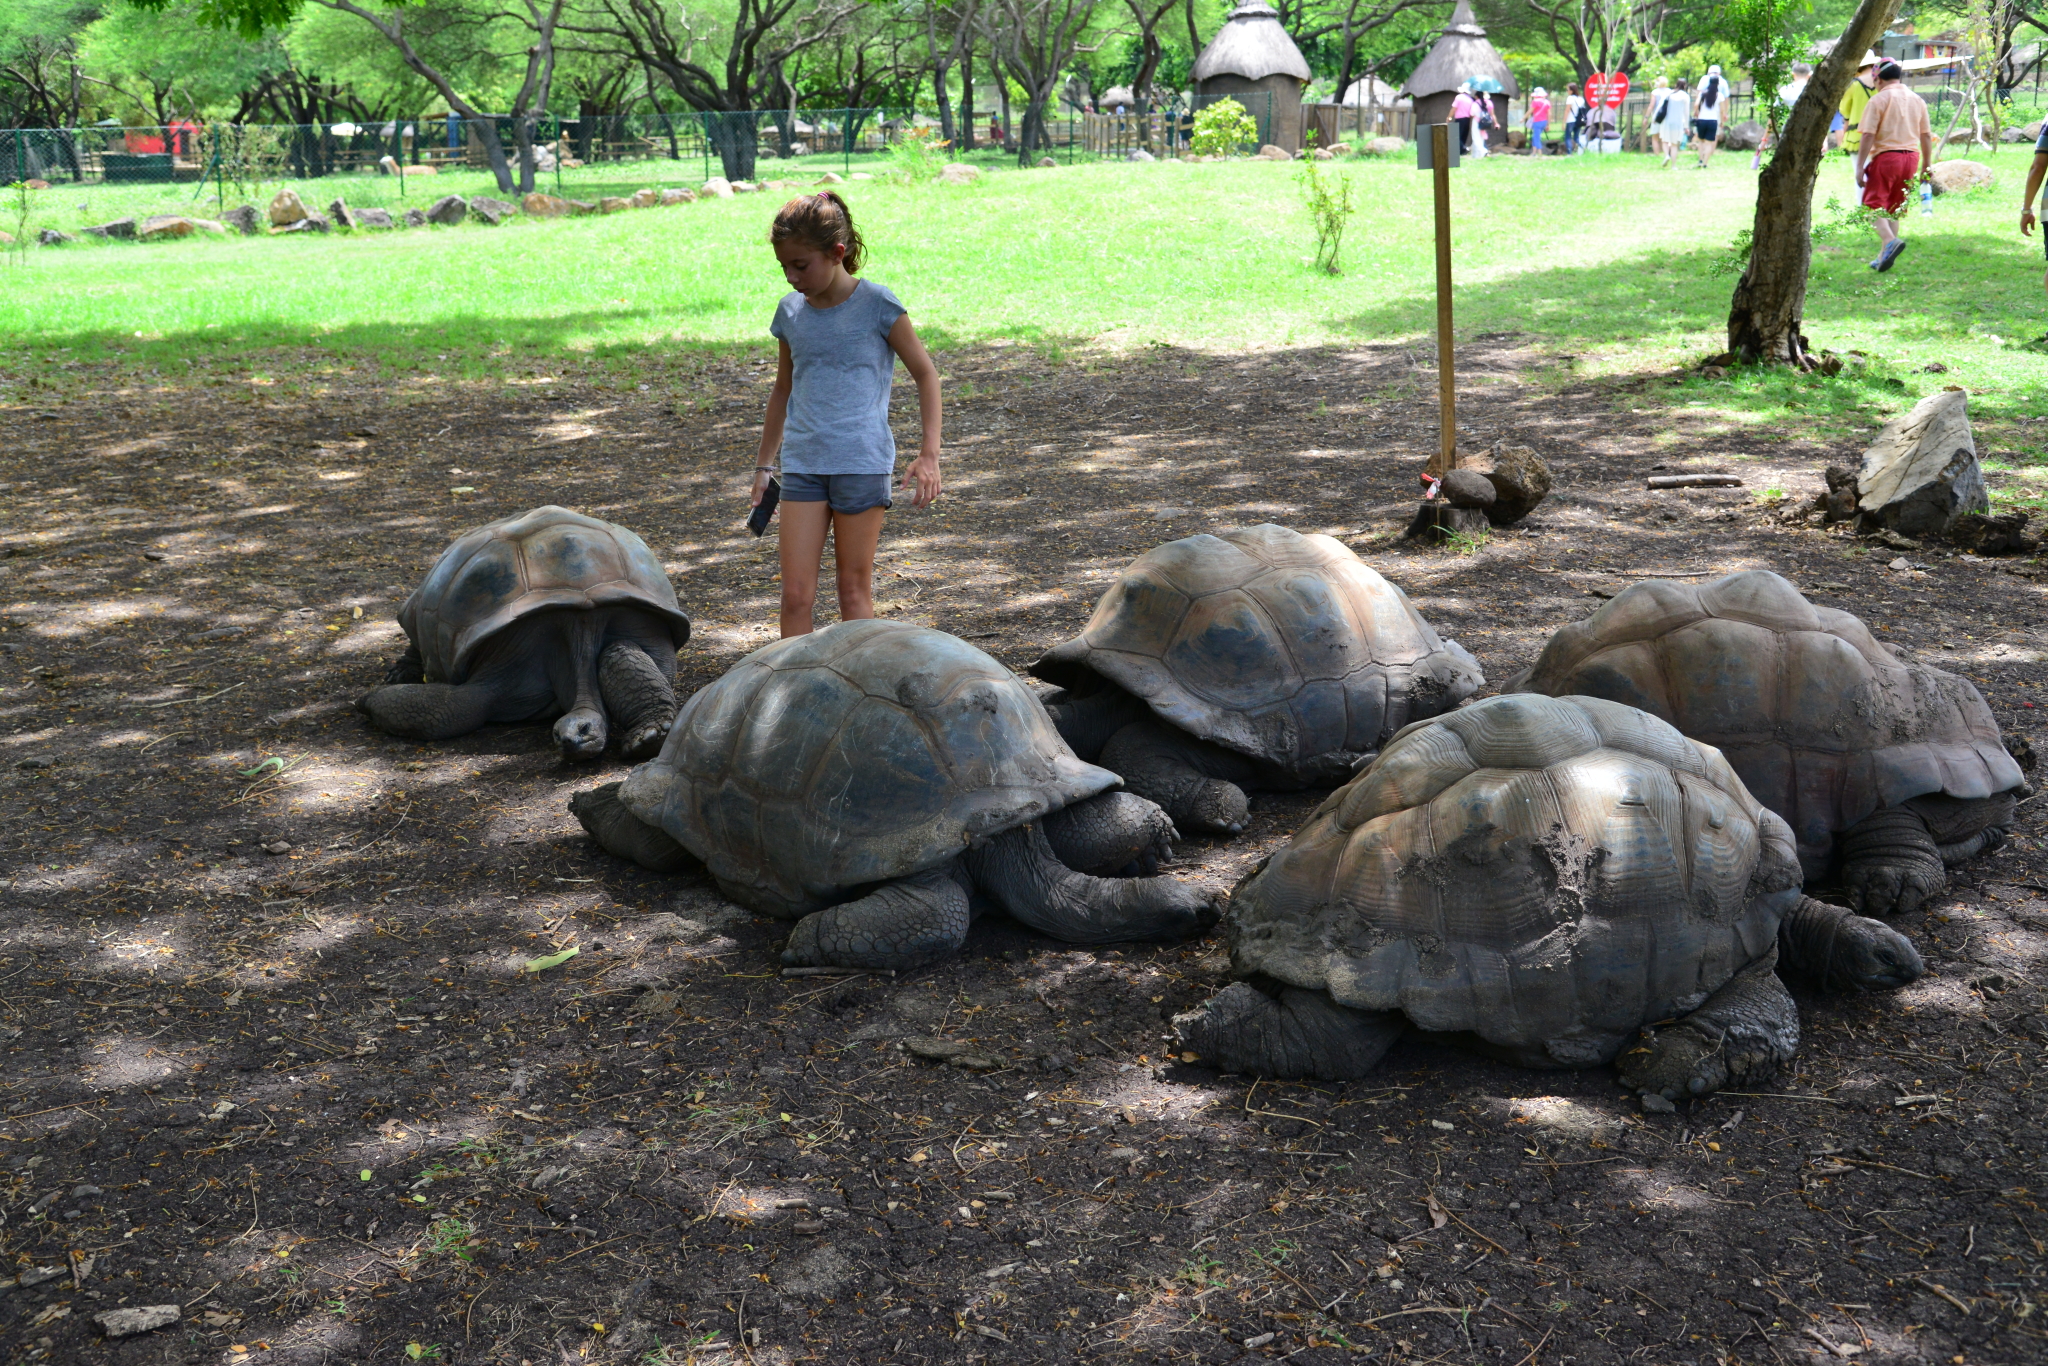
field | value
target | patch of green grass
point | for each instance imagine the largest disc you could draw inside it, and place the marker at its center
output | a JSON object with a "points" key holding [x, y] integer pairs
{"points": [[1605, 261]]}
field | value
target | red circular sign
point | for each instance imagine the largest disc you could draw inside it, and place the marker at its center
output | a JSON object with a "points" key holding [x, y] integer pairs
{"points": [[1604, 88]]}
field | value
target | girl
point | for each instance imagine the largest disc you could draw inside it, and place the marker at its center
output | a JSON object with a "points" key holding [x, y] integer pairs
{"points": [[1706, 121], [1670, 118], [828, 414], [1539, 118]]}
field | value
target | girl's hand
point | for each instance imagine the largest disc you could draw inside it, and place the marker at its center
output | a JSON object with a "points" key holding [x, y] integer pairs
{"points": [[761, 478], [923, 479]]}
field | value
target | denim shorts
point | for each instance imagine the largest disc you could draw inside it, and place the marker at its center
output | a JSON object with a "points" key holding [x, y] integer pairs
{"points": [[847, 493]]}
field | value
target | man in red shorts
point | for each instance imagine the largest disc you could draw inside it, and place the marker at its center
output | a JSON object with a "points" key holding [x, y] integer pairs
{"points": [[1894, 128]]}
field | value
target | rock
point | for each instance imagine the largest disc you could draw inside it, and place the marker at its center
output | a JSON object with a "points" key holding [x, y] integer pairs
{"points": [[6, 239], [242, 220], [958, 173], [485, 209], [374, 218], [312, 222], [1047, 164], [2013, 135], [1657, 1105], [744, 187], [544, 159], [1466, 488], [1342, 149], [1437, 521], [1839, 502], [861, 175], [677, 196], [1269, 152], [718, 187], [286, 208], [1386, 147], [415, 219], [389, 166], [1519, 476], [50, 237], [1957, 177], [2005, 534], [36, 183], [645, 199], [1141, 155], [121, 229], [448, 210], [1123, 1154], [612, 203], [338, 214], [1746, 136], [538, 205], [141, 1318], [831, 178], [167, 225], [1325, 154], [1921, 473]]}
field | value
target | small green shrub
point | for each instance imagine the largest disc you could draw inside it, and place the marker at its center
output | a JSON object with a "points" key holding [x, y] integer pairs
{"points": [[1329, 206], [917, 156], [1222, 128]]}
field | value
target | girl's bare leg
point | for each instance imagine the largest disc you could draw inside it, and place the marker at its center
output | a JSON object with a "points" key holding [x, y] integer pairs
{"points": [[854, 538], [801, 542]]}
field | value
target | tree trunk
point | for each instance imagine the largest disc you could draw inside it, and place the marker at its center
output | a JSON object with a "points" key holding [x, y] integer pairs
{"points": [[967, 99], [732, 136], [1764, 316]]}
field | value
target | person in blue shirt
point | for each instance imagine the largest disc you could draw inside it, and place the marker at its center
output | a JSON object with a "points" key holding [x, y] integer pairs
{"points": [[828, 413]]}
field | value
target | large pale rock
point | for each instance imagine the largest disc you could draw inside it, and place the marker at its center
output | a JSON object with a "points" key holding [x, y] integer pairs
{"points": [[121, 229], [448, 210], [612, 203], [831, 178], [1746, 136], [1519, 476], [1921, 473], [1386, 147], [718, 187], [389, 166], [677, 196], [1272, 153], [485, 209], [538, 205], [50, 237], [164, 226], [1140, 154], [374, 218], [1954, 177], [286, 208], [243, 220], [958, 173], [644, 199], [415, 219], [140, 1318], [339, 215]]}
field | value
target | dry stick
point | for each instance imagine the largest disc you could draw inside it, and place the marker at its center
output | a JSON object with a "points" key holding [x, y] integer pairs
{"points": [[839, 972], [1935, 1289], [1693, 481], [1537, 1348]]}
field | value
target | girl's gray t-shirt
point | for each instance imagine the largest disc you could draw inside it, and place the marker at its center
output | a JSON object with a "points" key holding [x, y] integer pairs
{"points": [[841, 368]]}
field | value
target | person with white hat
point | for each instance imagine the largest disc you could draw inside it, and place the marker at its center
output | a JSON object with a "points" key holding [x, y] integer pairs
{"points": [[1850, 111], [1539, 118], [1706, 113]]}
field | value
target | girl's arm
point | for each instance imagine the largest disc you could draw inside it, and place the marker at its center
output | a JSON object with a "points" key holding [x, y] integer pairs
{"points": [[771, 426], [923, 474]]}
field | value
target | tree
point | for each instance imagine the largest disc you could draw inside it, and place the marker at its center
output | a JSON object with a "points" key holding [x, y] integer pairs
{"points": [[1760, 31], [764, 36], [394, 24], [949, 35], [1764, 317], [1326, 28], [1034, 41], [1611, 35], [169, 63], [41, 84]]}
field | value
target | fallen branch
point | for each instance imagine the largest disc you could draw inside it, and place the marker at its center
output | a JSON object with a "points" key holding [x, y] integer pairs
{"points": [[1694, 481]]}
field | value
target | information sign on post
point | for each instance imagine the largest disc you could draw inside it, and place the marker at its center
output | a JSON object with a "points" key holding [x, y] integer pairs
{"points": [[1436, 150], [1607, 89]]}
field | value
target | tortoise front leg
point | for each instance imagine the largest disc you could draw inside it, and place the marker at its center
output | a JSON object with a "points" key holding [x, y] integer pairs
{"points": [[430, 711], [1196, 783], [1109, 833], [1890, 862], [1738, 1036], [1019, 872], [902, 924], [408, 667], [624, 835], [1087, 723], [1297, 1034], [639, 695]]}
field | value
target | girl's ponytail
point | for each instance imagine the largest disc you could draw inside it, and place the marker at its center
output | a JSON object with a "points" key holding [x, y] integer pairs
{"points": [[820, 221]]}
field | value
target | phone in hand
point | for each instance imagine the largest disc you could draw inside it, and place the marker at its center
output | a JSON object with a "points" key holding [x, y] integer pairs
{"points": [[765, 509]]}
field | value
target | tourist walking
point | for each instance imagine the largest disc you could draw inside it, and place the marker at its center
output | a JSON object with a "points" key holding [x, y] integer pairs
{"points": [[2035, 174], [1896, 140], [1706, 113], [1574, 118], [1539, 118], [1463, 108], [1850, 110], [1670, 115], [828, 412]]}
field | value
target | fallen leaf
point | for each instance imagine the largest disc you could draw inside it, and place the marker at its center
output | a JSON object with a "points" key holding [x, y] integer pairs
{"points": [[552, 960], [1438, 1215]]}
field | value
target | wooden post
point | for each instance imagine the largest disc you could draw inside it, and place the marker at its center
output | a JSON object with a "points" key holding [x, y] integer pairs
{"points": [[1440, 163]]}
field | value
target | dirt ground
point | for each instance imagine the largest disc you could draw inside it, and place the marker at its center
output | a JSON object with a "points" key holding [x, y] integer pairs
{"points": [[308, 1095]]}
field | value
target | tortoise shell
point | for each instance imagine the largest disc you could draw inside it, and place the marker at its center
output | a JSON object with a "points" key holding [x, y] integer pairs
{"points": [[504, 570], [1823, 724], [866, 751], [1283, 647], [1545, 873]]}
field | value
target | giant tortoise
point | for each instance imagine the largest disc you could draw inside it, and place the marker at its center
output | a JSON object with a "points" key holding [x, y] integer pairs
{"points": [[1546, 878], [864, 779], [1256, 658], [1887, 771], [550, 612]]}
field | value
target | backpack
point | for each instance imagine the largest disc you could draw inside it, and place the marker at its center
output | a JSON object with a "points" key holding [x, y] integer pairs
{"points": [[1663, 108], [1485, 121]]}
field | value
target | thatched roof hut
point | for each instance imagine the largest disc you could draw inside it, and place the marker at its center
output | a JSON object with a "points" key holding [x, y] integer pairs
{"points": [[1254, 61], [1462, 54]]}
